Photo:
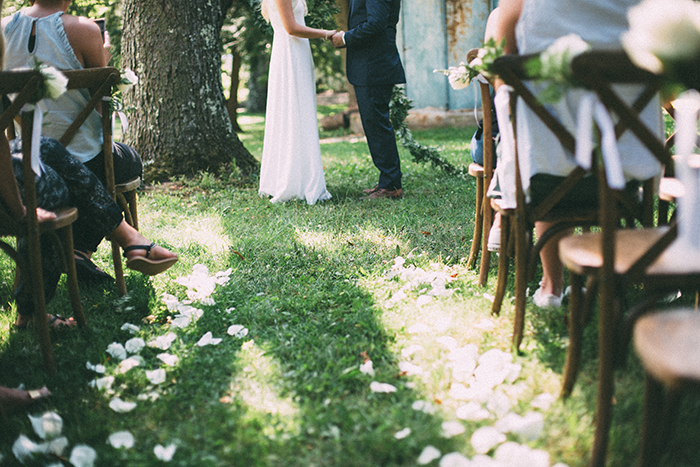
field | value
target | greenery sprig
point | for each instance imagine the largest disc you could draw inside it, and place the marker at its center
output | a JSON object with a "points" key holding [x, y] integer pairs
{"points": [[398, 111]]}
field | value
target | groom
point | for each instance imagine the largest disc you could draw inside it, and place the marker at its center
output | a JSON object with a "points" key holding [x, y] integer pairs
{"points": [[373, 68]]}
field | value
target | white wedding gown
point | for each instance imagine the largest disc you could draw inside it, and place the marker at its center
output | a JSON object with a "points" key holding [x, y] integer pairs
{"points": [[291, 166]]}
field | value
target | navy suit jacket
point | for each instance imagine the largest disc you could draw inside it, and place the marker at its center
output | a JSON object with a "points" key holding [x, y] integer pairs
{"points": [[372, 56]]}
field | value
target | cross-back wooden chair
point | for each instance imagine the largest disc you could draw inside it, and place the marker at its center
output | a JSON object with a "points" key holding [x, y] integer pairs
{"points": [[25, 84], [668, 346], [511, 69], [615, 259], [483, 216], [100, 82]]}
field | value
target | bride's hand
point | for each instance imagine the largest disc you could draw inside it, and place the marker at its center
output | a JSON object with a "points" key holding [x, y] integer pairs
{"points": [[328, 34]]}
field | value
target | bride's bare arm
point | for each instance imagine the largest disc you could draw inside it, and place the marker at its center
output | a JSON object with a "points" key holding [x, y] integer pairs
{"points": [[295, 29]]}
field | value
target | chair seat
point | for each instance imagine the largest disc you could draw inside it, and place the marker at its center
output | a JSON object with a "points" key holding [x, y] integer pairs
{"points": [[583, 255], [476, 170], [64, 218], [128, 186], [668, 344], [670, 189]]}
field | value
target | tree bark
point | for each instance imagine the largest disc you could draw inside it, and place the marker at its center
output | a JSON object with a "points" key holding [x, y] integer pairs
{"points": [[180, 125], [232, 102]]}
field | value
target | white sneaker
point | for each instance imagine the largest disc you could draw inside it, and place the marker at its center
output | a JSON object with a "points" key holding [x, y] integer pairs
{"points": [[546, 300], [494, 242]]}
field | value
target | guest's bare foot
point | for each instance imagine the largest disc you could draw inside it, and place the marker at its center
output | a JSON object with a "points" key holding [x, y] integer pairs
{"points": [[15, 399], [56, 322]]}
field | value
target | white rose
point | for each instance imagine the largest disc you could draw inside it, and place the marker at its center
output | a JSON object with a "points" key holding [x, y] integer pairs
{"points": [[662, 31]]}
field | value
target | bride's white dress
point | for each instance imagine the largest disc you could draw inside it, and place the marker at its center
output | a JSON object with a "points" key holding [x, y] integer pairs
{"points": [[291, 164]]}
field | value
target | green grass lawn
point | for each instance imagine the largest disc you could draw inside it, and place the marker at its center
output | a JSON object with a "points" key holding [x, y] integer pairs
{"points": [[313, 287]]}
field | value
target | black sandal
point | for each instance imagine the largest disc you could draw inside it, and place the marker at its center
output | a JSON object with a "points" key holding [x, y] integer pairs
{"points": [[143, 264], [88, 272]]}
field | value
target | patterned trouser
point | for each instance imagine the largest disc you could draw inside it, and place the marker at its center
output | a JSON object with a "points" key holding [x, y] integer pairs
{"points": [[65, 182]]}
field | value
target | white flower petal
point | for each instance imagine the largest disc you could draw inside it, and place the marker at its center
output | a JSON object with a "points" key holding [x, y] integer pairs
{"points": [[410, 369], [486, 438], [452, 428], [367, 368], [168, 359], [165, 454], [429, 454], [129, 363], [237, 330], [423, 300], [543, 401], [121, 439], [57, 446], [401, 434], [102, 383], [121, 406], [207, 339], [134, 345], [156, 376], [419, 328], [450, 343], [24, 448], [132, 328], [96, 368], [116, 350], [163, 342], [410, 350], [83, 456], [455, 459], [48, 425], [376, 386]]}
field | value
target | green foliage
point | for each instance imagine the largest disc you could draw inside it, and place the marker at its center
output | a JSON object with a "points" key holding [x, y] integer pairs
{"points": [[398, 111]]}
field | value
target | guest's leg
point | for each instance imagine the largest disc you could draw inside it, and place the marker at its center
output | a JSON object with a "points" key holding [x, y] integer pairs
{"points": [[98, 214], [373, 103], [127, 164], [552, 267], [52, 193]]}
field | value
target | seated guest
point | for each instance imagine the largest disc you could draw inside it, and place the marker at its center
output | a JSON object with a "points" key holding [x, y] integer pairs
{"points": [[45, 33], [530, 26]]}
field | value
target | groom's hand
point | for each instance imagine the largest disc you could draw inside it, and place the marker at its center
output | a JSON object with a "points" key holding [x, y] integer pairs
{"points": [[337, 40]]}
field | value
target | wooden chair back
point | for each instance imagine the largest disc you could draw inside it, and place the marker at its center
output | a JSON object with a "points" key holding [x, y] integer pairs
{"points": [[99, 81], [23, 84], [483, 174]]}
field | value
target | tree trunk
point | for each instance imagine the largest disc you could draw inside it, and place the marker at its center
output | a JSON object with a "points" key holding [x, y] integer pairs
{"points": [[342, 20], [181, 125], [232, 102]]}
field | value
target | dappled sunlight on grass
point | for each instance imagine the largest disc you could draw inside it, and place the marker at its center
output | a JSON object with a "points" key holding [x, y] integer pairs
{"points": [[205, 231], [257, 386], [331, 242]]}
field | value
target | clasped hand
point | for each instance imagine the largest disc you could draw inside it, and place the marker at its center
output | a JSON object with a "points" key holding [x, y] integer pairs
{"points": [[337, 40]]}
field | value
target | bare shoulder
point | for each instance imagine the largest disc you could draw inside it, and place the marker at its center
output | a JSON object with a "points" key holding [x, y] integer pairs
{"points": [[82, 27], [86, 40]]}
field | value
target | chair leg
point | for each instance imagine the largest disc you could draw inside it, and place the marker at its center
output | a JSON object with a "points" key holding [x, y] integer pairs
{"points": [[131, 198], [521, 267], [118, 269], [72, 277], [41, 322], [502, 280], [576, 325], [485, 253], [651, 428], [478, 223]]}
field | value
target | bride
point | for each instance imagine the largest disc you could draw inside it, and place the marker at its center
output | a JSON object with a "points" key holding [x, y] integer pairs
{"points": [[291, 162]]}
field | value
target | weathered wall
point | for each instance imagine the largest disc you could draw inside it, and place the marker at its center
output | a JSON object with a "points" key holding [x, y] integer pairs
{"points": [[434, 34]]}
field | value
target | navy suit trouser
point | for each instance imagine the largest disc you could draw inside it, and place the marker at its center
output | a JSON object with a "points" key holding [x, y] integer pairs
{"points": [[373, 103]]}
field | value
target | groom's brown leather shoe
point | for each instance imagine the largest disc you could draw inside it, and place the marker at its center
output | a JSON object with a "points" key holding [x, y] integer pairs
{"points": [[384, 193], [369, 191]]}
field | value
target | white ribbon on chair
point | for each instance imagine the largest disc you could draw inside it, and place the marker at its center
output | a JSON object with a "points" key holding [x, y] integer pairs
{"points": [[38, 120], [504, 175], [591, 110], [687, 164]]}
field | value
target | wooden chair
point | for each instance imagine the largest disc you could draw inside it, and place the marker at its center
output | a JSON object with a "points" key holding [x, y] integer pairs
{"points": [[614, 259], [668, 346], [483, 216], [25, 83], [522, 219], [100, 82]]}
